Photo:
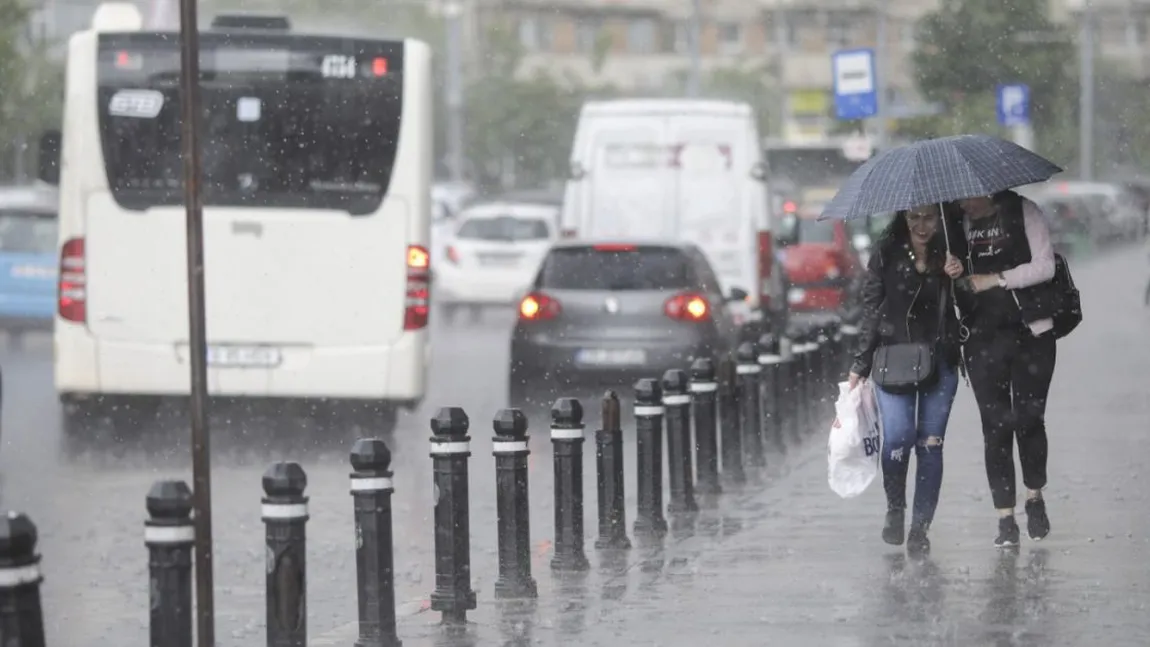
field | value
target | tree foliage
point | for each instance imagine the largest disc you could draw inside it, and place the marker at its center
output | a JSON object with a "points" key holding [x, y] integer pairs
{"points": [[967, 47], [31, 89]]}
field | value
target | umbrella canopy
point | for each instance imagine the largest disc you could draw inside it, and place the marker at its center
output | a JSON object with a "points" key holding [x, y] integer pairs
{"points": [[933, 171]]}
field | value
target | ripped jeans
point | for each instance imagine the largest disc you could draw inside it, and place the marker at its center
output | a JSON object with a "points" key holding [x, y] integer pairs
{"points": [[916, 421]]}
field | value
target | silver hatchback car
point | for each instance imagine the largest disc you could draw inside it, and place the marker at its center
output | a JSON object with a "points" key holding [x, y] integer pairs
{"points": [[610, 312]]}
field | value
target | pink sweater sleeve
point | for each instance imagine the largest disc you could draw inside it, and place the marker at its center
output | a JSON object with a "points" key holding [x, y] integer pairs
{"points": [[1041, 266]]}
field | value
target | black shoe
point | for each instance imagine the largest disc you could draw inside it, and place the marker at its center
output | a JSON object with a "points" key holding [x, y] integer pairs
{"points": [[916, 541], [1007, 533], [1037, 523], [894, 530]]}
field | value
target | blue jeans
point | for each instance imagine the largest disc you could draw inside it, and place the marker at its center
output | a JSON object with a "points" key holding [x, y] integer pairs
{"points": [[918, 421]]}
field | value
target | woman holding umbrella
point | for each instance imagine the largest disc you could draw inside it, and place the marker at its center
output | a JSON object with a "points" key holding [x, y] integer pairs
{"points": [[1010, 299], [1011, 349]]}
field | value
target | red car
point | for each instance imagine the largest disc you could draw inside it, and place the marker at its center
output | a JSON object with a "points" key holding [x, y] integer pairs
{"points": [[819, 260]]}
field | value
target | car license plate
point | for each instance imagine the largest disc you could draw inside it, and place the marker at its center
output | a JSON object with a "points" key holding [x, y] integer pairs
{"points": [[244, 356], [499, 260], [610, 357]]}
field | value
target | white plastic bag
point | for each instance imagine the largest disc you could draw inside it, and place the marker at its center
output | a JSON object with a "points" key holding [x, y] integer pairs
{"points": [[854, 444]]}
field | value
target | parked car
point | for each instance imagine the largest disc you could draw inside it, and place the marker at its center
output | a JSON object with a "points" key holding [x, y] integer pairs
{"points": [[28, 231], [492, 256], [611, 311]]}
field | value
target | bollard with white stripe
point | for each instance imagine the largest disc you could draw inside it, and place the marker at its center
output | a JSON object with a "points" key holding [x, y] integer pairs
{"points": [[450, 449], [770, 359], [511, 503], [789, 387], [850, 336], [704, 410], [750, 404], [285, 518], [802, 368], [567, 448], [729, 426], [649, 519], [609, 472], [21, 617], [371, 490], [677, 404], [169, 536]]}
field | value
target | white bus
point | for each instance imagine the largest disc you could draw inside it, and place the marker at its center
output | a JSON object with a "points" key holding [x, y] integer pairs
{"points": [[317, 158]]}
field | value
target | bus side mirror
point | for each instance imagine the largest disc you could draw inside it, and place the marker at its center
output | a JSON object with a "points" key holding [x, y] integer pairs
{"points": [[48, 158]]}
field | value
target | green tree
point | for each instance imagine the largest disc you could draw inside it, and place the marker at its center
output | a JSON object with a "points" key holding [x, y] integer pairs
{"points": [[968, 47], [31, 89]]}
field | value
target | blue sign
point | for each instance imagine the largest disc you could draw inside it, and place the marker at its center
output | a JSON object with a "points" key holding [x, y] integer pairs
{"points": [[1013, 105], [856, 95]]}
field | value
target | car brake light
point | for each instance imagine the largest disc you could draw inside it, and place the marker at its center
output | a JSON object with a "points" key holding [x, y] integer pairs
{"points": [[72, 292], [687, 306], [453, 254], [417, 305], [609, 247], [538, 307]]}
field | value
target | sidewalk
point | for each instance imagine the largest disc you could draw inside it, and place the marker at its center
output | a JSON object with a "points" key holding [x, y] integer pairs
{"points": [[789, 563]]}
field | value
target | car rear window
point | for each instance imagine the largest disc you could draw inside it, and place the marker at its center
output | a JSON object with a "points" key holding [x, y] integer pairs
{"points": [[808, 230], [27, 232], [615, 268], [503, 228]]}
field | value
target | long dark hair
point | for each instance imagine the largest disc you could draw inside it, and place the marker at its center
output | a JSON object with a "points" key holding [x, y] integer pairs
{"points": [[895, 239]]}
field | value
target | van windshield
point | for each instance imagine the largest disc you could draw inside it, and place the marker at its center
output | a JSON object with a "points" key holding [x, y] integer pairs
{"points": [[612, 268], [288, 121]]}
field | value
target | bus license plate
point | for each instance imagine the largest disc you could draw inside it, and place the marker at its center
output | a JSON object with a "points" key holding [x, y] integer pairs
{"points": [[244, 356], [610, 357]]}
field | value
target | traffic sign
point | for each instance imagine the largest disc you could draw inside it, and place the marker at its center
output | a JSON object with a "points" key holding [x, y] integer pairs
{"points": [[1013, 105], [854, 84]]}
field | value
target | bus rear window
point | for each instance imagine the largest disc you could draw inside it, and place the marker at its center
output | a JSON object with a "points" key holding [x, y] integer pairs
{"points": [[615, 268], [288, 122]]}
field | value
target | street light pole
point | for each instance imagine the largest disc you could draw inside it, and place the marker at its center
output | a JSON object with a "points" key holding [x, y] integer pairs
{"points": [[1086, 92], [197, 335], [880, 73], [453, 11], [694, 81]]}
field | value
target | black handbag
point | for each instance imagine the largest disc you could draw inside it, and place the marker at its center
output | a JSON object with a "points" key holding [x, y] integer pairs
{"points": [[910, 366], [1069, 312]]}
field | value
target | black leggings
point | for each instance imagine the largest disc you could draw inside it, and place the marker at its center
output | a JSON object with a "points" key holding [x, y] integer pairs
{"points": [[1012, 362]]}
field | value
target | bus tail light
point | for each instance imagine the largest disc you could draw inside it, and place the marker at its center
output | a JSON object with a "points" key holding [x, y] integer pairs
{"points": [[418, 300], [687, 306], [72, 284]]}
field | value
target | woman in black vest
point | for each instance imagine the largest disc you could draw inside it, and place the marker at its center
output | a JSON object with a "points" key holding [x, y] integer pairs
{"points": [[1008, 307]]}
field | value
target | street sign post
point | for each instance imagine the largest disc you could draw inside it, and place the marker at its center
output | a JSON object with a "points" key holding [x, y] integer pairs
{"points": [[856, 96], [197, 342], [1014, 112]]}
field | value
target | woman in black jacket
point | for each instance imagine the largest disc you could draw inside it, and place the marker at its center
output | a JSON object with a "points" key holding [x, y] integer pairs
{"points": [[905, 296], [1009, 303]]}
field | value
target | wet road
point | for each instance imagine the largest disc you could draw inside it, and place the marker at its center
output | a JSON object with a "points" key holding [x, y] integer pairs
{"points": [[782, 563]]}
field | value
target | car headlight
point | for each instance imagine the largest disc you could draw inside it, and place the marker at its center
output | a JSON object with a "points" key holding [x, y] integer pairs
{"points": [[833, 272], [796, 295]]}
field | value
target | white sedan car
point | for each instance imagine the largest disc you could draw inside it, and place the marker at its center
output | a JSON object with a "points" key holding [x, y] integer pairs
{"points": [[493, 255]]}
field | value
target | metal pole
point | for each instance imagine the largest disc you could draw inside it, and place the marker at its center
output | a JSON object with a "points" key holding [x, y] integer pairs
{"points": [[694, 81], [880, 134], [783, 45], [453, 14], [1086, 93], [197, 342]]}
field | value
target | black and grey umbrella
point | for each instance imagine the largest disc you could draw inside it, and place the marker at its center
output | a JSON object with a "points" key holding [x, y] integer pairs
{"points": [[934, 171]]}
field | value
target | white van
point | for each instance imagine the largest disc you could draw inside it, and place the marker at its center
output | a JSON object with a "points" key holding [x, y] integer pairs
{"points": [[681, 170]]}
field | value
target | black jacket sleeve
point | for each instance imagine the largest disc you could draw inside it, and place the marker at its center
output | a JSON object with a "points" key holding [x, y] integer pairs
{"points": [[873, 295]]}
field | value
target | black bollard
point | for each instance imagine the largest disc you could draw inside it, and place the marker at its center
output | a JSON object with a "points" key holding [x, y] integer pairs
{"points": [[789, 388], [771, 360], [169, 536], [802, 350], [567, 444], [609, 472], [21, 617], [677, 408], [751, 415], [850, 336], [705, 413], [511, 496], [371, 490], [450, 449], [729, 425], [285, 519], [649, 519]]}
